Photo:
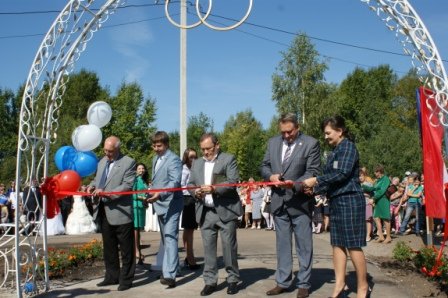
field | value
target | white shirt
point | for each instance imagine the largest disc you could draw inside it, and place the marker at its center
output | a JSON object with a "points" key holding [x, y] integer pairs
{"points": [[185, 179], [285, 146], [208, 173], [158, 163], [111, 165]]}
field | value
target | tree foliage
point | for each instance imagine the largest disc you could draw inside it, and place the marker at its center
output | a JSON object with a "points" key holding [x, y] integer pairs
{"points": [[9, 110], [244, 137], [379, 109], [296, 78], [197, 126], [132, 121]]}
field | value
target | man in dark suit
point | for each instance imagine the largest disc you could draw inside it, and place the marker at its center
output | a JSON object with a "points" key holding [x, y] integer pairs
{"points": [[292, 157], [115, 173], [217, 209], [167, 173]]}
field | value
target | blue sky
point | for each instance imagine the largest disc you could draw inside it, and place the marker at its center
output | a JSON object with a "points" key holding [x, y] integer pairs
{"points": [[228, 72]]}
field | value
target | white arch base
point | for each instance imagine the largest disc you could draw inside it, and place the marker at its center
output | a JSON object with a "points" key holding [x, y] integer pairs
{"points": [[55, 59]]}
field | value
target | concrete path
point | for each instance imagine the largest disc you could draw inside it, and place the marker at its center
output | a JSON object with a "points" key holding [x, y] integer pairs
{"points": [[257, 261]]}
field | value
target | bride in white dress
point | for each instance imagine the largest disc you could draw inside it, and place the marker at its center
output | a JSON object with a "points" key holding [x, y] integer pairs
{"points": [[55, 226], [79, 221]]}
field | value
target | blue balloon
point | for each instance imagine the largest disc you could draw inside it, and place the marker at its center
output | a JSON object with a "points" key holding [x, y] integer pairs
{"points": [[85, 163], [29, 287], [64, 158]]}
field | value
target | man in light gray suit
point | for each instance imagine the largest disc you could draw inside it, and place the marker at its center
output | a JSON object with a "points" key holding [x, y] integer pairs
{"points": [[292, 157], [217, 209], [167, 173], [115, 173]]}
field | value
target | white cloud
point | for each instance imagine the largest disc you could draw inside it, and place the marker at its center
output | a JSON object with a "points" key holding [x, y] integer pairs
{"points": [[131, 41]]}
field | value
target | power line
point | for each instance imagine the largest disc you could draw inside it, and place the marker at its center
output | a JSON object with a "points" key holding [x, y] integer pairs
{"points": [[317, 38], [105, 26], [287, 45], [214, 15], [92, 9]]}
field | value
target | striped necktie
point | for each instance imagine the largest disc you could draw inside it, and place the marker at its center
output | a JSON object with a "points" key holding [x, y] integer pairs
{"points": [[287, 155], [103, 179]]}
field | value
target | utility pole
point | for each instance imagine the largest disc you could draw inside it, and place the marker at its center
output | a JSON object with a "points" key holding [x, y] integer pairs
{"points": [[183, 78]]}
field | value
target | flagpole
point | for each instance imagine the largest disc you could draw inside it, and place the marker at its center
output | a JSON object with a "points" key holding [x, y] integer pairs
{"points": [[429, 230]]}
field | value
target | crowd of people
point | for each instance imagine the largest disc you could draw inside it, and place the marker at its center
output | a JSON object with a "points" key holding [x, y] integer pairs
{"points": [[301, 199]]}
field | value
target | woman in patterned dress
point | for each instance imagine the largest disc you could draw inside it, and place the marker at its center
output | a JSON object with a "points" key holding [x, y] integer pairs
{"points": [[340, 182]]}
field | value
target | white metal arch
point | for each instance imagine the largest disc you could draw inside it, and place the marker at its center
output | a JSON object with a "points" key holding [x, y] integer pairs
{"points": [[55, 59]]}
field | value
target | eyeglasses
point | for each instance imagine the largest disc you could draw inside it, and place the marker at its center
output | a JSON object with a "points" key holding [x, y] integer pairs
{"points": [[192, 157], [207, 148]]}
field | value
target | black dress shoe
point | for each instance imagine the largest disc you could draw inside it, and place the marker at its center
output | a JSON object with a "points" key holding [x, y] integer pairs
{"points": [[105, 283], [192, 267], [171, 283], [275, 291], [232, 288], [123, 287], [208, 289]]}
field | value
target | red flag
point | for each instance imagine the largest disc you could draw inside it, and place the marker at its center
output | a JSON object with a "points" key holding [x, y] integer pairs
{"points": [[433, 164]]}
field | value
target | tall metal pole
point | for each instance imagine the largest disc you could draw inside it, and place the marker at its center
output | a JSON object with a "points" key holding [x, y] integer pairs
{"points": [[183, 78]]}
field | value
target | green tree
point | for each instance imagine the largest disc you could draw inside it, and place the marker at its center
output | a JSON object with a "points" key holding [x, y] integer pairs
{"points": [[244, 137], [82, 89], [318, 107], [197, 126], [175, 142], [379, 108], [133, 118], [405, 152], [296, 77], [9, 111]]}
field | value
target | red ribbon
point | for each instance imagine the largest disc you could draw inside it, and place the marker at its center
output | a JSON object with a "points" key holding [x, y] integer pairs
{"points": [[438, 262], [173, 189]]}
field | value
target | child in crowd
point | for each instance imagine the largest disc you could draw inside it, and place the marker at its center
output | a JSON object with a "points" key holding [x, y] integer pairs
{"points": [[317, 214]]}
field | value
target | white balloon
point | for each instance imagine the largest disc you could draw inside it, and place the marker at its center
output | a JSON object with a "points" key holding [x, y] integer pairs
{"points": [[99, 113], [86, 137]]}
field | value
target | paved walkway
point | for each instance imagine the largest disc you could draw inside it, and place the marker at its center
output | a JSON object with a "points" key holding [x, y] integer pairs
{"points": [[257, 261]]}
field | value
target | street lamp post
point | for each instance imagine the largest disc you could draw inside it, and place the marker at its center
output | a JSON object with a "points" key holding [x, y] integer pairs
{"points": [[183, 78]]}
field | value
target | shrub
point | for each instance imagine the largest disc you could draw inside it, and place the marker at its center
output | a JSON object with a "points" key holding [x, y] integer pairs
{"points": [[425, 258], [402, 252]]}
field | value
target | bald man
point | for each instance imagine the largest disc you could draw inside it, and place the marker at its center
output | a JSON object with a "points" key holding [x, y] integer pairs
{"points": [[115, 173]]}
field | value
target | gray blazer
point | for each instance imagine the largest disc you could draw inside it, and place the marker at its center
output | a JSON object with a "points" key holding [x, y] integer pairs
{"points": [[303, 163], [168, 175], [121, 178], [226, 199]]}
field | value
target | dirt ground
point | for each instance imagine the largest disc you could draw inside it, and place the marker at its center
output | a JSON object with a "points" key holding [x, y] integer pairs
{"points": [[407, 277]]}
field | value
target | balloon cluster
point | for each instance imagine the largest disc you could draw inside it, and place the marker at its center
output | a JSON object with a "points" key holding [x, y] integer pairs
{"points": [[85, 138], [77, 161]]}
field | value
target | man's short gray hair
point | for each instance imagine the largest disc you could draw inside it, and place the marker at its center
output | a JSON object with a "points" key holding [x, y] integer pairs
{"points": [[289, 117]]}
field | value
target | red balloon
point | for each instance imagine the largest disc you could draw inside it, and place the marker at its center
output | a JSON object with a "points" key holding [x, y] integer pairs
{"points": [[67, 180]]}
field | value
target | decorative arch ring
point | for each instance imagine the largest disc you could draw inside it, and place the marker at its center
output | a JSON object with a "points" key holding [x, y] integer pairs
{"points": [[203, 19]]}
